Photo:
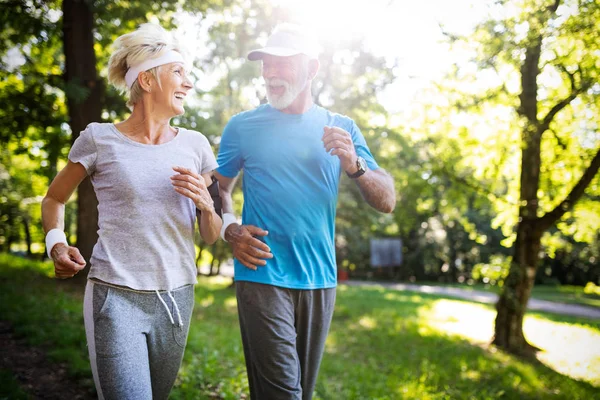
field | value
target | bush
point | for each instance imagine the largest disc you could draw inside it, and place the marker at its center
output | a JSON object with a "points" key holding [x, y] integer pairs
{"points": [[591, 288]]}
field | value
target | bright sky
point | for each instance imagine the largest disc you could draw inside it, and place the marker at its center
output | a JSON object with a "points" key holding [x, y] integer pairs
{"points": [[406, 31]]}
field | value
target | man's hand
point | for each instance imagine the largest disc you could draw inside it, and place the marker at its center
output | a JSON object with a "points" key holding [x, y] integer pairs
{"points": [[68, 261], [340, 142], [248, 250], [192, 186]]}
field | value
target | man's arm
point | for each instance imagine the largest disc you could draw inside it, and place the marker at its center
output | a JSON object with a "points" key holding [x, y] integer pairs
{"points": [[377, 188], [226, 186], [250, 251]]}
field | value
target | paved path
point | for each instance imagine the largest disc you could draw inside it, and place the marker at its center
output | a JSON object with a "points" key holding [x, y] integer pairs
{"points": [[486, 297], [475, 295]]}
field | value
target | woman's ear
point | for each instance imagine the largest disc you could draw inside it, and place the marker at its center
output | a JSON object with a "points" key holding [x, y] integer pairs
{"points": [[145, 80]]}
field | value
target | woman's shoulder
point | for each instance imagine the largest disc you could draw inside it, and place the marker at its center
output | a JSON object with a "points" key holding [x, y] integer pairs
{"points": [[193, 136], [95, 132], [193, 139], [99, 128]]}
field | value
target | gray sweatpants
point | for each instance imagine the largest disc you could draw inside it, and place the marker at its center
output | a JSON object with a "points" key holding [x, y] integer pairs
{"points": [[283, 333], [135, 340]]}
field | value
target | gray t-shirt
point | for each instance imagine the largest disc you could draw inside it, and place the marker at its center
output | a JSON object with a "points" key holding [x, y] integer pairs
{"points": [[146, 228]]}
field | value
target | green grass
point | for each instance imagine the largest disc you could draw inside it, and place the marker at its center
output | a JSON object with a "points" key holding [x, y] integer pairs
{"points": [[383, 344], [561, 294]]}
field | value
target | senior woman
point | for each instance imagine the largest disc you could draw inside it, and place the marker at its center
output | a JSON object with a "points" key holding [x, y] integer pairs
{"points": [[151, 182]]}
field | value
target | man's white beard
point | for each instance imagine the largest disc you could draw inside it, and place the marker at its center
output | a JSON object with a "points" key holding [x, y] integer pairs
{"points": [[284, 100]]}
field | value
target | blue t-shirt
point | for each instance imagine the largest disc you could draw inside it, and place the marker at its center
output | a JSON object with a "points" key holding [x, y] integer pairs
{"points": [[290, 188]]}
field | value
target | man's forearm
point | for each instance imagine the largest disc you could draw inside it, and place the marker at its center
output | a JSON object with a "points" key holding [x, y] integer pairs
{"points": [[227, 202], [226, 186], [377, 188]]}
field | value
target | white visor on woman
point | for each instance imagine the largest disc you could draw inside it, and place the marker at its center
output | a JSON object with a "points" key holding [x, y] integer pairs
{"points": [[169, 57]]}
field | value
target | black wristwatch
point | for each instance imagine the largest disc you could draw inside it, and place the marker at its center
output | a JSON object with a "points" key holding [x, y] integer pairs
{"points": [[361, 164]]}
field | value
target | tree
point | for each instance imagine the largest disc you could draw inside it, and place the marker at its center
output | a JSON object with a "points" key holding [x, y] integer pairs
{"points": [[537, 67], [537, 120], [84, 90]]}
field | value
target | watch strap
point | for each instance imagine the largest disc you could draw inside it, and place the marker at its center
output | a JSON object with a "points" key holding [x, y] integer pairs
{"points": [[360, 163]]}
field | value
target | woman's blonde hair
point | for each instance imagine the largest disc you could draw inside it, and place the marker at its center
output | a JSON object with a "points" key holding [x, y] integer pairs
{"points": [[147, 42]]}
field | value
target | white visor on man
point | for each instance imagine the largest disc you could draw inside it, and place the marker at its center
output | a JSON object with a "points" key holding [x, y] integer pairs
{"points": [[283, 43]]}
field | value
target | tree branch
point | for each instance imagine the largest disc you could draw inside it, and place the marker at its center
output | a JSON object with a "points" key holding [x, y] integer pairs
{"points": [[545, 124], [584, 85], [554, 6], [548, 219], [571, 76], [558, 139], [530, 70], [461, 180]]}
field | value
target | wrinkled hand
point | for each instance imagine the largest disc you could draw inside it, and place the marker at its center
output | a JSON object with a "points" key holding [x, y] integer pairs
{"points": [[248, 250], [340, 142], [192, 186], [68, 261]]}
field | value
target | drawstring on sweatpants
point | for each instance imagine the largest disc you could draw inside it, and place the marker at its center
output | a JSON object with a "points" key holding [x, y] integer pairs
{"points": [[167, 308]]}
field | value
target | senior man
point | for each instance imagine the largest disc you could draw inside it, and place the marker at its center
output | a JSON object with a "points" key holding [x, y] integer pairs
{"points": [[293, 154]]}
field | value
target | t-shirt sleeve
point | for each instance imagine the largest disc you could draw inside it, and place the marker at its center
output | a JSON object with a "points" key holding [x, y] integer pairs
{"points": [[84, 150], [230, 156], [362, 149], [209, 163]]}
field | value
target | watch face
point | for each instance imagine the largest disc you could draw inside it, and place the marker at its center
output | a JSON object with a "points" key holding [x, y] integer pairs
{"points": [[362, 164]]}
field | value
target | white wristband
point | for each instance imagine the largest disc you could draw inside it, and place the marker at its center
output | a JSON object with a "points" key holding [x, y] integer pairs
{"points": [[54, 237], [228, 219]]}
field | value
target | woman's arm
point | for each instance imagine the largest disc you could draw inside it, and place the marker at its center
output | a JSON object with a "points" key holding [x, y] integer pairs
{"points": [[209, 222], [67, 259], [193, 186]]}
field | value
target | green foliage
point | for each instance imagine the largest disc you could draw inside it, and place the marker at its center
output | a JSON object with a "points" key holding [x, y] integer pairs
{"points": [[493, 272], [591, 288], [483, 106]]}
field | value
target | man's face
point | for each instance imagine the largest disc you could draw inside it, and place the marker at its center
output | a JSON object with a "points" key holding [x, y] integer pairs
{"points": [[285, 78]]}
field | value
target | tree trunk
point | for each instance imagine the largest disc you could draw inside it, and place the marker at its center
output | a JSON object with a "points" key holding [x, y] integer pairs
{"points": [[83, 90], [516, 291], [512, 304], [215, 260], [27, 233]]}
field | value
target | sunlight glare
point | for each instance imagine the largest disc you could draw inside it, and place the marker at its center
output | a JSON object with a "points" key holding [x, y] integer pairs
{"points": [[368, 322], [231, 303], [569, 349], [207, 301]]}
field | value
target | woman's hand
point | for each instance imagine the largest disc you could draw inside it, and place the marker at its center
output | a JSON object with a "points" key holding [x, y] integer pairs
{"points": [[192, 186], [68, 261]]}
